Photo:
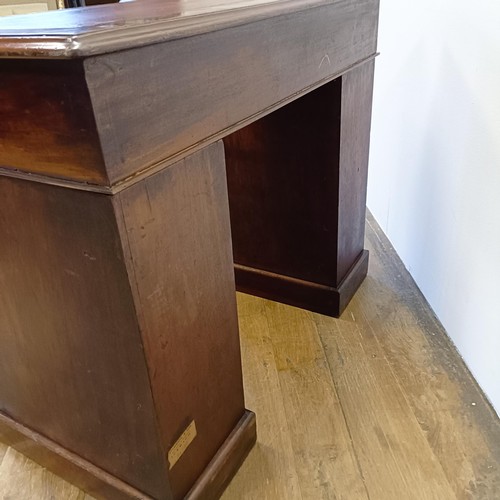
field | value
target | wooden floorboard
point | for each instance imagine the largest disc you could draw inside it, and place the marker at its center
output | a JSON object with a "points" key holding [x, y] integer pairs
{"points": [[376, 405], [325, 460]]}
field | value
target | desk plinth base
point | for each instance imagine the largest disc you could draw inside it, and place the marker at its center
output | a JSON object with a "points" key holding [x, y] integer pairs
{"points": [[98, 482], [227, 461], [300, 293]]}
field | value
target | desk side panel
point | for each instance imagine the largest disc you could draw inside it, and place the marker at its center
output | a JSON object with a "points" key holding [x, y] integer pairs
{"points": [[72, 366], [155, 102], [180, 261], [47, 125], [357, 91]]}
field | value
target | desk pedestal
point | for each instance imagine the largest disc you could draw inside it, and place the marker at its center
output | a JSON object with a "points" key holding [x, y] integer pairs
{"points": [[297, 193], [121, 364]]}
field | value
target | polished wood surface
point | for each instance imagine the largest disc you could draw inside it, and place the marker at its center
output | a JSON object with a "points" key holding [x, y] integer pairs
{"points": [[178, 254], [129, 363], [331, 395], [216, 477], [282, 174], [223, 63], [71, 33], [195, 89], [357, 90], [70, 339], [297, 180], [63, 462], [48, 125]]}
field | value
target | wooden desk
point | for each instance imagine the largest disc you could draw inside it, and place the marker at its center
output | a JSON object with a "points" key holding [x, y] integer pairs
{"points": [[119, 362]]}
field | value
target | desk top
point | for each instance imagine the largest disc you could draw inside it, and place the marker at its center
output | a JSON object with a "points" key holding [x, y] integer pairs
{"points": [[111, 94], [87, 31]]}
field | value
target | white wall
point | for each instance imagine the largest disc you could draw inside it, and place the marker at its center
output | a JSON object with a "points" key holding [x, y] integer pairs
{"points": [[434, 182]]}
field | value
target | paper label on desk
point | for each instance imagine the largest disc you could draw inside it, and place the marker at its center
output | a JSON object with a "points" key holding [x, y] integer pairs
{"points": [[180, 446]]}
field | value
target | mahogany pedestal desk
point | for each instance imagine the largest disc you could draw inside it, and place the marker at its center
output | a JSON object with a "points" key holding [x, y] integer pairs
{"points": [[119, 362]]}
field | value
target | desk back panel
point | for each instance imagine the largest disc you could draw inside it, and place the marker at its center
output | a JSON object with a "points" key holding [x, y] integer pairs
{"points": [[283, 186]]}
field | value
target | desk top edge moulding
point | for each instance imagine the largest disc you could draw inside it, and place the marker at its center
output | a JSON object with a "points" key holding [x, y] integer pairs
{"points": [[104, 28], [107, 28], [128, 132]]}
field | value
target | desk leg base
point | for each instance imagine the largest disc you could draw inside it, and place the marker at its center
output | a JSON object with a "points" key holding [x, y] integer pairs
{"points": [[227, 461], [98, 482], [315, 297], [64, 463]]}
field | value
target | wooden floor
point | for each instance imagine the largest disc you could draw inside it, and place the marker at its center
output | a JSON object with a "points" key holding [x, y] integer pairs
{"points": [[376, 405]]}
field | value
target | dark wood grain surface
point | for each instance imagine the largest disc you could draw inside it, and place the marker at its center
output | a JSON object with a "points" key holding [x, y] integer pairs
{"points": [[65, 464], [297, 185], [190, 91], [86, 31], [47, 123], [194, 90], [283, 188], [179, 258], [357, 90], [72, 367], [211, 484]]}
